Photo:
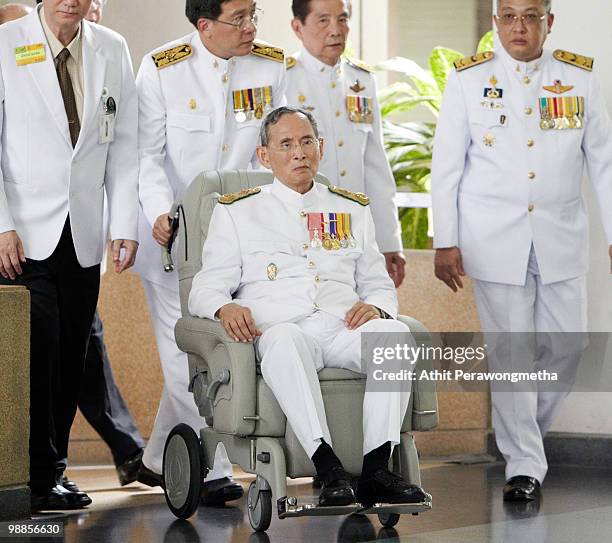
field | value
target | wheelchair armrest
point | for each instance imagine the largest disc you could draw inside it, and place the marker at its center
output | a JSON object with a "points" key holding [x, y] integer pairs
{"points": [[424, 396], [231, 368]]}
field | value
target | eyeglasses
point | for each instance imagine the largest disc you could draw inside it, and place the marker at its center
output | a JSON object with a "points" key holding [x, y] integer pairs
{"points": [[307, 145], [242, 22], [531, 19]]}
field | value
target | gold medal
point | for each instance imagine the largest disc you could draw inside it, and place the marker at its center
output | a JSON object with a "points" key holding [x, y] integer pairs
{"points": [[327, 243], [335, 242]]}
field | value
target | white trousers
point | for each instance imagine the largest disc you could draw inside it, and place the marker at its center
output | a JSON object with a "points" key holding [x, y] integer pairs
{"points": [[177, 404], [522, 418], [291, 354]]}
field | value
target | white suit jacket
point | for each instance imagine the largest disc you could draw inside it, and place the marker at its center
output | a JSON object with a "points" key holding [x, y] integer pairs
{"points": [[354, 155], [501, 183], [188, 125], [259, 252], [42, 178]]}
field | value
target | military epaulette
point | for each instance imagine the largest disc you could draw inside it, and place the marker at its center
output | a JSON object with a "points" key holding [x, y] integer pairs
{"points": [[232, 197], [358, 197], [360, 65], [474, 60], [290, 62], [166, 58], [266, 50], [586, 63]]}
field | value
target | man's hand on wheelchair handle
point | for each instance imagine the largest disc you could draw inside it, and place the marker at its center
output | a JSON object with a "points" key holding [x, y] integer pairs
{"points": [[162, 229], [238, 322]]}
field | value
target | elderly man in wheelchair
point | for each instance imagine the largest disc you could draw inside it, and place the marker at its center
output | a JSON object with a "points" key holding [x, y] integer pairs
{"points": [[293, 267]]}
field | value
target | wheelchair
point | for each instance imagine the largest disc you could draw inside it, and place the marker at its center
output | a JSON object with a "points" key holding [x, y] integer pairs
{"points": [[241, 411]]}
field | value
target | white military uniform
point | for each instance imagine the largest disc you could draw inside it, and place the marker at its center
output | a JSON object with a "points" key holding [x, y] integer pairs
{"points": [[510, 151], [261, 253], [343, 100], [188, 125]]}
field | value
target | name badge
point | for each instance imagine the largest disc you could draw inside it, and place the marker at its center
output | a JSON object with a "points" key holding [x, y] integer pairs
{"points": [[29, 54]]}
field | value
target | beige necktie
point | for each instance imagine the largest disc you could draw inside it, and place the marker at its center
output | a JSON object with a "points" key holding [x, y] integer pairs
{"points": [[65, 83]]}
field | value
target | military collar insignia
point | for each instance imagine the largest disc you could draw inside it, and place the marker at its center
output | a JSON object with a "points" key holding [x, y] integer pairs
{"points": [[474, 60], [268, 51], [232, 197], [357, 86], [290, 62], [166, 58], [358, 197], [580, 61], [558, 87]]}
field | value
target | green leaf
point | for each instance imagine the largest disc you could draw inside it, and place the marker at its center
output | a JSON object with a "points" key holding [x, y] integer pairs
{"points": [[487, 42], [441, 63], [422, 79]]}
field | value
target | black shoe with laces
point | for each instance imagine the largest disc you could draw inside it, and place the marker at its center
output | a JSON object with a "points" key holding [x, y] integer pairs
{"points": [[336, 488], [384, 486]]}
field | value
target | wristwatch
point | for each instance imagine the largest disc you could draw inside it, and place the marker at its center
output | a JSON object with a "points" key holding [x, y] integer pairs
{"points": [[383, 314]]}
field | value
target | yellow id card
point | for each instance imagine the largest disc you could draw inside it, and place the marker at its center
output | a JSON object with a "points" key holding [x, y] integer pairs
{"points": [[29, 54]]}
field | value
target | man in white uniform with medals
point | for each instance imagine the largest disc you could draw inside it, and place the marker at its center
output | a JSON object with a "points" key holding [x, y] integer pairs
{"points": [[202, 100], [341, 94], [516, 130], [295, 266]]}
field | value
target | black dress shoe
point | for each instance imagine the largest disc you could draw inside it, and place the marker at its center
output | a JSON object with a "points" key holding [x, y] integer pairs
{"points": [[521, 488], [58, 499], [68, 484], [336, 488], [76, 498], [128, 470], [219, 491], [384, 486], [148, 477]]}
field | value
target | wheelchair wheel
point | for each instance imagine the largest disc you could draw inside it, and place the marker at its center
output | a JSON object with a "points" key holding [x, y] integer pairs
{"points": [[388, 520], [182, 471], [260, 513]]}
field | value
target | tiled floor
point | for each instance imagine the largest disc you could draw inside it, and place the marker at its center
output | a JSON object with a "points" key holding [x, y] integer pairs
{"points": [[576, 507]]}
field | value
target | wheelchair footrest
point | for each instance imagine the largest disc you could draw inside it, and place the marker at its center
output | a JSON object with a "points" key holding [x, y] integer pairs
{"points": [[289, 507], [399, 508]]}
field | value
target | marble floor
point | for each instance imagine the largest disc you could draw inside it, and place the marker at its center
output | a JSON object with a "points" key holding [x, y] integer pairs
{"points": [[576, 506]]}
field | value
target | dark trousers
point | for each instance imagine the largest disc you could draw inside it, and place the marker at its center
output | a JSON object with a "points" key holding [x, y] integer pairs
{"points": [[101, 402], [63, 299]]}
